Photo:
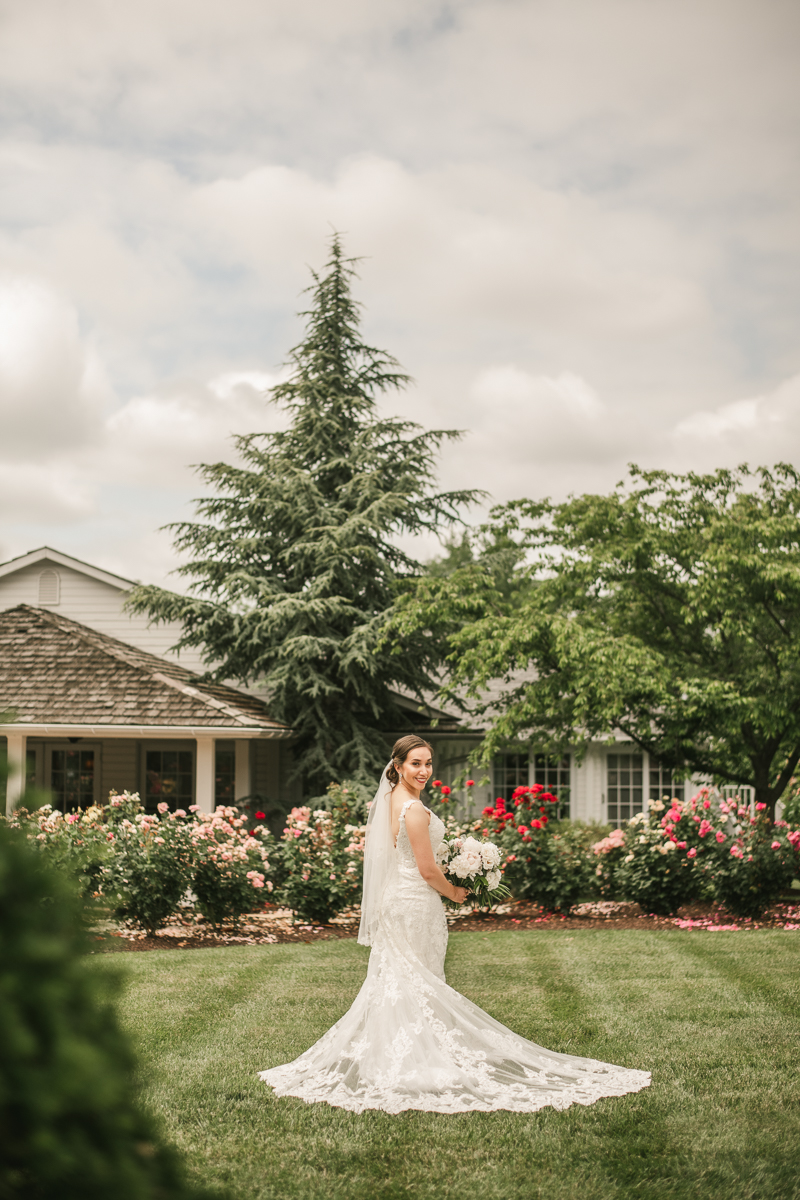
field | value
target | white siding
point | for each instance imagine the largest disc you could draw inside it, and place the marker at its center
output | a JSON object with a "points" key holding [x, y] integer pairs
{"points": [[96, 604], [119, 766]]}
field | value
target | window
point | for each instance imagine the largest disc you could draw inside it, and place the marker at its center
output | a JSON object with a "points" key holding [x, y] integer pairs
{"points": [[49, 587], [554, 774], [72, 778], [510, 772], [624, 787], [662, 783], [225, 777], [169, 779]]}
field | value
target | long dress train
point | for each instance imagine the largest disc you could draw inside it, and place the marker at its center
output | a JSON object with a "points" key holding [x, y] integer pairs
{"points": [[410, 1041]]}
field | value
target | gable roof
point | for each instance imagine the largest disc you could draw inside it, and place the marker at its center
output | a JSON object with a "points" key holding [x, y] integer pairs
{"points": [[46, 554], [56, 672]]}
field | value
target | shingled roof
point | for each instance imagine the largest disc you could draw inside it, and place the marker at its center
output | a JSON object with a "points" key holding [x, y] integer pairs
{"points": [[57, 672]]}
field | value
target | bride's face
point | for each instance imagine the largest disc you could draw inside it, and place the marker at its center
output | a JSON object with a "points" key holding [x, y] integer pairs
{"points": [[417, 769]]}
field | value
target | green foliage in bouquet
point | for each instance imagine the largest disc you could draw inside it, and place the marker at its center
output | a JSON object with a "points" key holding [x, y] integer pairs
{"points": [[544, 861], [152, 862], [322, 857], [71, 1127], [77, 843], [755, 863], [231, 864]]}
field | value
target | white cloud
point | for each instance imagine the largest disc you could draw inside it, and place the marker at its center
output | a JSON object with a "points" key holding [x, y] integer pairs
{"points": [[759, 429], [52, 384], [579, 225]]}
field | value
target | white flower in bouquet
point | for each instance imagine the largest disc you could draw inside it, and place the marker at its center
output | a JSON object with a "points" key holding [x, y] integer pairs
{"points": [[491, 856], [476, 866], [469, 861]]}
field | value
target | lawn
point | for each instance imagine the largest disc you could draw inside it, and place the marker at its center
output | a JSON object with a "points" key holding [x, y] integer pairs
{"points": [[714, 1016]]}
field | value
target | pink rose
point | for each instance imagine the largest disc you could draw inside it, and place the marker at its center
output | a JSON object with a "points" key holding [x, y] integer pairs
{"points": [[719, 836], [775, 846], [162, 808], [706, 804], [737, 851], [692, 853], [760, 807]]}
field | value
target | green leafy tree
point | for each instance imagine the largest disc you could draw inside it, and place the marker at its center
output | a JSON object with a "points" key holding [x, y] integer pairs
{"points": [[668, 610], [295, 562]]}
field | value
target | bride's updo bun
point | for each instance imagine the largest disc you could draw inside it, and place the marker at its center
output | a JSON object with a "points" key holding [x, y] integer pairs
{"points": [[400, 752]]}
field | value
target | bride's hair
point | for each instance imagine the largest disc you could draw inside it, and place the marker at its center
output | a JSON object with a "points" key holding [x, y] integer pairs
{"points": [[400, 752]]}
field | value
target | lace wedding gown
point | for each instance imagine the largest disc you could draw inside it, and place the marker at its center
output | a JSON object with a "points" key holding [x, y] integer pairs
{"points": [[411, 1042]]}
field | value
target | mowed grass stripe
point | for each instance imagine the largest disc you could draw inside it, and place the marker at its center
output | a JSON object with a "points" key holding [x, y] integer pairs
{"points": [[718, 1122]]}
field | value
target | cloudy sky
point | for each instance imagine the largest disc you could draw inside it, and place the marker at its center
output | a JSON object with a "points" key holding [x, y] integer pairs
{"points": [[579, 220]]}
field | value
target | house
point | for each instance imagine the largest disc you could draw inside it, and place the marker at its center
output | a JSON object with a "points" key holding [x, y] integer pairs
{"points": [[102, 702], [88, 714]]}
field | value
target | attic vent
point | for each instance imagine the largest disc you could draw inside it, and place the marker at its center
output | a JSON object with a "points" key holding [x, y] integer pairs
{"points": [[49, 587]]}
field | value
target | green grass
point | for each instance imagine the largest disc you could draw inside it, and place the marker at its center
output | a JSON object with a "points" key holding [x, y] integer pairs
{"points": [[715, 1017]]}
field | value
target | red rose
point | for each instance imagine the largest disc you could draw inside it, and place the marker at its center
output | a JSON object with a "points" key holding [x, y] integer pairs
{"points": [[536, 824], [470, 783], [445, 791], [488, 811], [261, 816], [437, 783]]}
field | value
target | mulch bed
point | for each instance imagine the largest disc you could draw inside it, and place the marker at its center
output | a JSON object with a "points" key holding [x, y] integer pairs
{"points": [[276, 926]]}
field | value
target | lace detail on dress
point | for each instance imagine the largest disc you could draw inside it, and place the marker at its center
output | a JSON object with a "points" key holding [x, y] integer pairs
{"points": [[412, 1042]]}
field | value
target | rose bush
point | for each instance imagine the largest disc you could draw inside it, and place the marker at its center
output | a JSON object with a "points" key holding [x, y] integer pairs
{"points": [[322, 859], [231, 864], [152, 862], [668, 851], [543, 860], [755, 862], [609, 851], [77, 843]]}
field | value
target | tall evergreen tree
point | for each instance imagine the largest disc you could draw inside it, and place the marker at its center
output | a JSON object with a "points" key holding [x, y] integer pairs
{"points": [[295, 564]]}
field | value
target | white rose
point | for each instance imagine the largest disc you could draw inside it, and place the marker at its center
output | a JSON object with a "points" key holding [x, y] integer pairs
{"points": [[493, 879], [628, 858], [669, 846], [490, 855], [643, 840]]}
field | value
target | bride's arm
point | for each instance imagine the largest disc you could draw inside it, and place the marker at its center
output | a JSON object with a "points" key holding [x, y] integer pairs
{"points": [[417, 830]]}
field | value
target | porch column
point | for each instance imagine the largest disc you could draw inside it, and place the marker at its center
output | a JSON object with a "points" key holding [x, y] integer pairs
{"points": [[15, 784], [242, 778], [205, 770]]}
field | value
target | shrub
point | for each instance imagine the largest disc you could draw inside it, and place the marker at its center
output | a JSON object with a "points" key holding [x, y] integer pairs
{"points": [[322, 858], [230, 865], [70, 1124], [609, 851], [755, 863], [667, 851], [543, 860], [77, 843], [151, 865]]}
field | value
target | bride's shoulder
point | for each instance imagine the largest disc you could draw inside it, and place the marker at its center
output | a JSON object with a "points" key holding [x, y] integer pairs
{"points": [[416, 810]]}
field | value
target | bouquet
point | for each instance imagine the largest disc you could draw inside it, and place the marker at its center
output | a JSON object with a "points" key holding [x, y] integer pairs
{"points": [[476, 866]]}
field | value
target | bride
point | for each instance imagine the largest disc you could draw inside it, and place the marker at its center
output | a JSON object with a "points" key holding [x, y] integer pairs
{"points": [[410, 1041]]}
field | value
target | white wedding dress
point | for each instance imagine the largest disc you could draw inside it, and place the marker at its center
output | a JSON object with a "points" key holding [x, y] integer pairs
{"points": [[411, 1042]]}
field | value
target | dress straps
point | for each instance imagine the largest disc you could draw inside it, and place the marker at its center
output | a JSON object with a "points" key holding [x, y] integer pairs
{"points": [[408, 804]]}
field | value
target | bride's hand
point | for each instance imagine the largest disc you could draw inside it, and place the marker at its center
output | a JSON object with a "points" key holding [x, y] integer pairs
{"points": [[459, 895]]}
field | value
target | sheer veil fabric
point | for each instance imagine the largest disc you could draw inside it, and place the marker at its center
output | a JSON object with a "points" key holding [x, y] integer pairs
{"points": [[410, 1041]]}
